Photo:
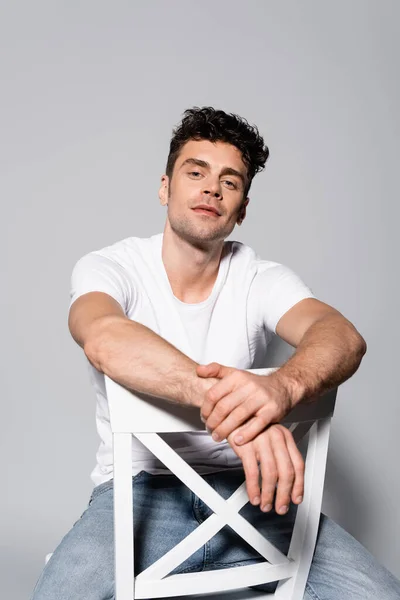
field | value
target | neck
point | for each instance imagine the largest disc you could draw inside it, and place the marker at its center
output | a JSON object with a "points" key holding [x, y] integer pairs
{"points": [[191, 271]]}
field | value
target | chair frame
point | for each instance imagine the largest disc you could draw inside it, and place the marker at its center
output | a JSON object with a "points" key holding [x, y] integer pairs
{"points": [[143, 416]]}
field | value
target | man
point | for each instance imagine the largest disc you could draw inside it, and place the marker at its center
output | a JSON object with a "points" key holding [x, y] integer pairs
{"points": [[181, 315]]}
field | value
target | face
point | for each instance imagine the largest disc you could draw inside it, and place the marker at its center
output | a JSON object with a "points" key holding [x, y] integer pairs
{"points": [[211, 175]]}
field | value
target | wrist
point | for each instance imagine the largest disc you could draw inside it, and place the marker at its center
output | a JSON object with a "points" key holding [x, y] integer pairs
{"points": [[199, 386], [292, 386], [188, 393]]}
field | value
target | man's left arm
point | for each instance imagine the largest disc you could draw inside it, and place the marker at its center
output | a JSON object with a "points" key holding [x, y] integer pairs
{"points": [[329, 350]]}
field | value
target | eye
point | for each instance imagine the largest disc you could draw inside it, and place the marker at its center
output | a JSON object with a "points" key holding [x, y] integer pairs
{"points": [[231, 184], [194, 173]]}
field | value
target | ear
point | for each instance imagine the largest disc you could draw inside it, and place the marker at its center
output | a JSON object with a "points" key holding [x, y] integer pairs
{"points": [[242, 212], [163, 191]]}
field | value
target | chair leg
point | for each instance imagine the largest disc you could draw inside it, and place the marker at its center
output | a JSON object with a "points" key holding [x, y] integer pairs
{"points": [[305, 530], [123, 517]]}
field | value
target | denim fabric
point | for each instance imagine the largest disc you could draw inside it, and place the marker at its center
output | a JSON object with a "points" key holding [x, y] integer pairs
{"points": [[166, 511]]}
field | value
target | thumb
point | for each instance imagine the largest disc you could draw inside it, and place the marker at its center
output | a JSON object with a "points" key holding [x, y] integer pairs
{"points": [[213, 369]]}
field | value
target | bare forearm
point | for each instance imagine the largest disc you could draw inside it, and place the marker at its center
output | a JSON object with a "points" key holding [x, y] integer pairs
{"points": [[329, 354], [139, 359]]}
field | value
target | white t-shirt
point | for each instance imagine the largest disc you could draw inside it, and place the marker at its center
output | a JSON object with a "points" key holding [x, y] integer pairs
{"points": [[232, 326]]}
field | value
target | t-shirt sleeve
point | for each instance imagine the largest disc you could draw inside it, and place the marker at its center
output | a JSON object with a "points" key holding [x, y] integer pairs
{"points": [[277, 289], [96, 273]]}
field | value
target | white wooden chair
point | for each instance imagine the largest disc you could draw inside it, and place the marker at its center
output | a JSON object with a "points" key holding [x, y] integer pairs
{"points": [[144, 416]]}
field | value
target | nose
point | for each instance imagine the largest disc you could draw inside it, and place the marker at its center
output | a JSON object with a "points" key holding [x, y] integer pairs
{"points": [[213, 189]]}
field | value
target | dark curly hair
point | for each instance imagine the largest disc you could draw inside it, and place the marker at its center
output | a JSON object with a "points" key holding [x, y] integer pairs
{"points": [[215, 125]]}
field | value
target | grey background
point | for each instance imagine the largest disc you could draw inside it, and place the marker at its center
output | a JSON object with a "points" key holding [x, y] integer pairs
{"points": [[90, 93]]}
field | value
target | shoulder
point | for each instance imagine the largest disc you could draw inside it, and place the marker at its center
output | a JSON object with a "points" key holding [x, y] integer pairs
{"points": [[122, 251], [261, 265], [119, 255], [110, 270]]}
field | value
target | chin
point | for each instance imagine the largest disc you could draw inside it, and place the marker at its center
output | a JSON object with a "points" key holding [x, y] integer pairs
{"points": [[198, 235]]}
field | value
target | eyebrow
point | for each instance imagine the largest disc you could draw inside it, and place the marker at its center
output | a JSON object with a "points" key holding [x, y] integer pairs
{"points": [[206, 165]]}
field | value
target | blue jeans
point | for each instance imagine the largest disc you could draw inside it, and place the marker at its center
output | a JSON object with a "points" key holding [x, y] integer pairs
{"points": [[166, 511]]}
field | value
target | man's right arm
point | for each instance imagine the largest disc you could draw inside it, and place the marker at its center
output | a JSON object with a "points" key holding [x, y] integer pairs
{"points": [[136, 357], [132, 354]]}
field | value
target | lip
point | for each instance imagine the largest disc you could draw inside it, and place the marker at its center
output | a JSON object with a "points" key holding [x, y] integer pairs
{"points": [[208, 208]]}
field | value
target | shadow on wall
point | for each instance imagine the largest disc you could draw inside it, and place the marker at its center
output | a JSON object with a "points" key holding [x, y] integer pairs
{"points": [[343, 498]]}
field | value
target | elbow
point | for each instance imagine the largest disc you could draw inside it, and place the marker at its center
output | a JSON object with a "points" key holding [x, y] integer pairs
{"points": [[98, 340], [357, 343], [92, 351], [361, 345], [94, 345], [360, 348], [102, 345]]}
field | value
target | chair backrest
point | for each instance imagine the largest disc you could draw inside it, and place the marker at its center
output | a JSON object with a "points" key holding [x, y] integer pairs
{"points": [[133, 412], [144, 416]]}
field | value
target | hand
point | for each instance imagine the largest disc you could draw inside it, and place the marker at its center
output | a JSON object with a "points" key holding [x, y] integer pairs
{"points": [[242, 397], [280, 461], [196, 390]]}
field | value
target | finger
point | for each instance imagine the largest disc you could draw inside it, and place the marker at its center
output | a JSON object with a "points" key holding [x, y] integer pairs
{"points": [[215, 394], [252, 473], [286, 473], [262, 419], [299, 467], [231, 412], [269, 473], [222, 408]]}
